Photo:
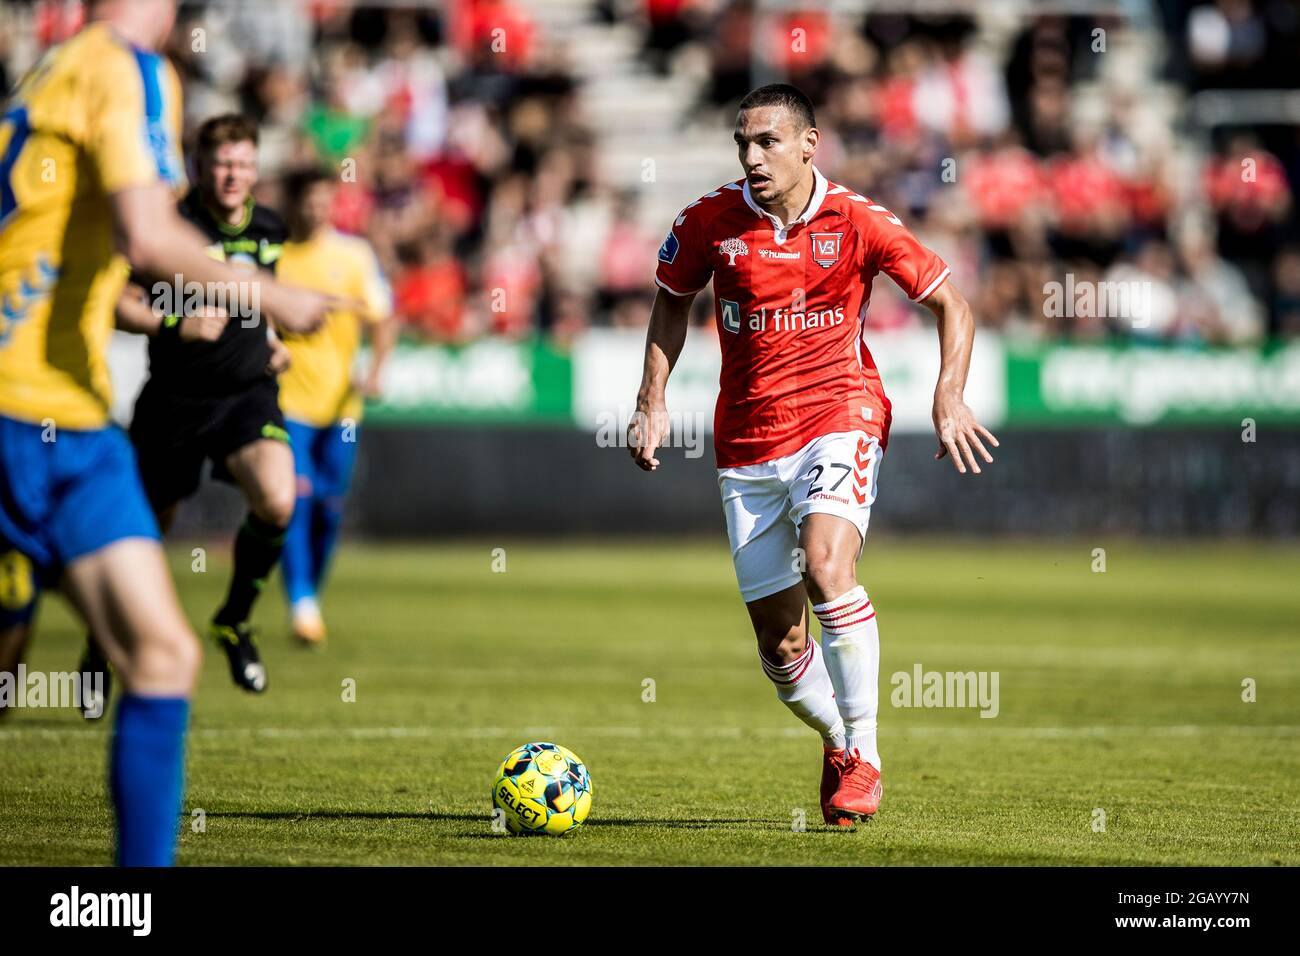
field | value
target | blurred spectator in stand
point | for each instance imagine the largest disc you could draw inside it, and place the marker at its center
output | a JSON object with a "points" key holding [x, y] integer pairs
{"points": [[669, 26], [1144, 292], [731, 49], [961, 94], [404, 209], [430, 294], [626, 256], [1248, 191], [1285, 306], [1091, 213], [1227, 40], [1008, 190], [1215, 299], [338, 125]]}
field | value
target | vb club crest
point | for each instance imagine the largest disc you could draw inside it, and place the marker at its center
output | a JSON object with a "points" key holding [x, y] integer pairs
{"points": [[826, 248]]}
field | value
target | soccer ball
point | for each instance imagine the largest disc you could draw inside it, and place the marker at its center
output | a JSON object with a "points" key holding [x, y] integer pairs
{"points": [[542, 788]]}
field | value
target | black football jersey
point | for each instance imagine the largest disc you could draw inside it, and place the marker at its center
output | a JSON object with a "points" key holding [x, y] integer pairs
{"points": [[240, 356]]}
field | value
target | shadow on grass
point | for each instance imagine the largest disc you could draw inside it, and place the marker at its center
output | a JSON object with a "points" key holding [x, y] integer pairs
{"points": [[706, 823]]}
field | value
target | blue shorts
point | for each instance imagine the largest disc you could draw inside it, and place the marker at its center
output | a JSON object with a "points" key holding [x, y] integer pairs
{"points": [[61, 499], [322, 458]]}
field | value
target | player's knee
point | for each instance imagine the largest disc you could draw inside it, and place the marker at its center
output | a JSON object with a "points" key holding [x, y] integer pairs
{"points": [[275, 505], [827, 576], [168, 664], [781, 645]]}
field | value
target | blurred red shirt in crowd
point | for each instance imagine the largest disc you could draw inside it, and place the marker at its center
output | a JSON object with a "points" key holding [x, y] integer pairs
{"points": [[429, 294], [800, 40], [1085, 192], [57, 20], [512, 280], [1004, 185], [482, 28], [1249, 188]]}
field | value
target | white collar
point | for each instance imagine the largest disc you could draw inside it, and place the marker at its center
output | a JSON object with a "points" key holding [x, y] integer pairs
{"points": [[820, 185]]}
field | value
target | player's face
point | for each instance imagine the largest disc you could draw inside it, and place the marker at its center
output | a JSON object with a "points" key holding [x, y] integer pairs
{"points": [[228, 177], [773, 150], [314, 207], [164, 14]]}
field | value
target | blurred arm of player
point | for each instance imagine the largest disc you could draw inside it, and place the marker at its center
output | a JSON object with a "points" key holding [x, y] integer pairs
{"points": [[959, 433], [663, 344], [157, 241], [134, 314], [280, 357], [383, 337]]}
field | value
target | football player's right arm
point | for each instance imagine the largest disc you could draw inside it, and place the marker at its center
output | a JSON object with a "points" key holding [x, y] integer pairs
{"points": [[663, 344], [157, 241], [135, 314], [130, 137], [681, 272]]}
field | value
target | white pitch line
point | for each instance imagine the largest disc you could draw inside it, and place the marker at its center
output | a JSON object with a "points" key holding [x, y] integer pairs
{"points": [[981, 729]]}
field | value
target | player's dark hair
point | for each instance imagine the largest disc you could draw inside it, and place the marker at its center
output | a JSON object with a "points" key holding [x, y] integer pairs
{"points": [[783, 94], [223, 129], [298, 181]]}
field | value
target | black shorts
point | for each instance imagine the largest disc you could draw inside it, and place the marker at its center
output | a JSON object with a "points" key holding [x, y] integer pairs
{"points": [[173, 434]]}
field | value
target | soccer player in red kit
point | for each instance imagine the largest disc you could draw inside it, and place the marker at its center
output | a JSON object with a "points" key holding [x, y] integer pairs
{"points": [[802, 419]]}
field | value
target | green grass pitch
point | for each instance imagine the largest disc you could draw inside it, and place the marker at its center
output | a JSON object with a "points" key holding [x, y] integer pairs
{"points": [[1120, 692]]}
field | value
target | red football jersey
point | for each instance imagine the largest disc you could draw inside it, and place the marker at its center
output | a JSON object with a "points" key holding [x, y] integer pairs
{"points": [[789, 303]]}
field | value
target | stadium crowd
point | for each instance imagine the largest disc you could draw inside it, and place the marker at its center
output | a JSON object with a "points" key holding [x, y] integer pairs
{"points": [[459, 132]]}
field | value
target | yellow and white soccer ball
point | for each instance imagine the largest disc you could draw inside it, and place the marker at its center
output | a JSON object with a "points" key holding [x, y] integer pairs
{"points": [[542, 788]]}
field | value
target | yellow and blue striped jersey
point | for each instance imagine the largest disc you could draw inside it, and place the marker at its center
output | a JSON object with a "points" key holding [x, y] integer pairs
{"points": [[94, 116], [317, 388]]}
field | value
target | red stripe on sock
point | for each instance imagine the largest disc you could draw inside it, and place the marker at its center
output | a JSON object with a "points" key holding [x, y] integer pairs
{"points": [[791, 672], [827, 617]]}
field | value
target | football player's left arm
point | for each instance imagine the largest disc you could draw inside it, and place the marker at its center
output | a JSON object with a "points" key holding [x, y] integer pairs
{"points": [[959, 433], [383, 337], [382, 328]]}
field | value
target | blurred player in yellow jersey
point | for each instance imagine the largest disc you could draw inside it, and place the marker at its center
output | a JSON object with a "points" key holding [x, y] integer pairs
{"points": [[89, 164], [320, 394]]}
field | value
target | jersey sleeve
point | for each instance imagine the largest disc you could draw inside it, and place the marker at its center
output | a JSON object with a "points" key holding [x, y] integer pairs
{"points": [[901, 256], [133, 130], [684, 265], [374, 289]]}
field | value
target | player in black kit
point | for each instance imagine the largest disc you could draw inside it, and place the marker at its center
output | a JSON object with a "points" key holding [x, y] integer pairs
{"points": [[212, 392]]}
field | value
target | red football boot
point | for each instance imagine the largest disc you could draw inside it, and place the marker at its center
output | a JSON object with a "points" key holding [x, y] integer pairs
{"points": [[859, 791], [834, 763]]}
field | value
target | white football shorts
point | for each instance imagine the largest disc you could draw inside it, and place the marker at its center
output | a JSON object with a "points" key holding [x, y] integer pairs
{"points": [[766, 503]]}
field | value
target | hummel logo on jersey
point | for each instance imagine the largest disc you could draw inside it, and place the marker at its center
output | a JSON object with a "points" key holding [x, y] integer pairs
{"points": [[773, 254], [732, 248], [826, 248]]}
